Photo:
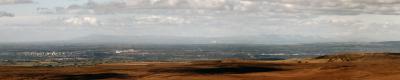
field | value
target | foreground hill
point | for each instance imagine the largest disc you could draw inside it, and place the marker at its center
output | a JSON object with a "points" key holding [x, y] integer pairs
{"points": [[350, 66]]}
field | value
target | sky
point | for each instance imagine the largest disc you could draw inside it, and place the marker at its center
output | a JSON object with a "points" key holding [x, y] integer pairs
{"points": [[254, 20]]}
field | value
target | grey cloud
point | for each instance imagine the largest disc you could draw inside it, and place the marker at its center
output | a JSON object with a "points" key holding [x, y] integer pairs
{"points": [[320, 7], [4, 2], [129, 6], [384, 7], [333, 19], [6, 14]]}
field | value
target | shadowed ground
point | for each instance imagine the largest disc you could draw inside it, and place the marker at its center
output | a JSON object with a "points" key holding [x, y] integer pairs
{"points": [[92, 76]]}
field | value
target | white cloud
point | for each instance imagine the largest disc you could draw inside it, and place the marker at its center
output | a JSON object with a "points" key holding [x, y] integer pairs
{"points": [[153, 19], [92, 21]]}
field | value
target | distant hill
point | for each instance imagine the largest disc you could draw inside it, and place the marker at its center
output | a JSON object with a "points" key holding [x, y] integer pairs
{"points": [[389, 43]]}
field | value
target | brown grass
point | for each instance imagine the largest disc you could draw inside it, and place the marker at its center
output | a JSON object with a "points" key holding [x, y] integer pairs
{"points": [[365, 66]]}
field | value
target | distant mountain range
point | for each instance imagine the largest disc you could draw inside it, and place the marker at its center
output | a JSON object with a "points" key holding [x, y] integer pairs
{"points": [[263, 39]]}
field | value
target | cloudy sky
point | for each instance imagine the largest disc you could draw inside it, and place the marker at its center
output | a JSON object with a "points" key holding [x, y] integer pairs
{"points": [[304, 20]]}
